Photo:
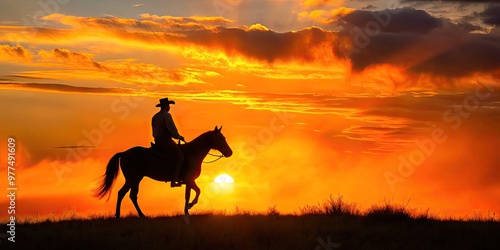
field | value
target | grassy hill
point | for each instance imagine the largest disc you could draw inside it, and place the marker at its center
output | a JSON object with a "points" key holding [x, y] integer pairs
{"points": [[332, 225], [257, 232]]}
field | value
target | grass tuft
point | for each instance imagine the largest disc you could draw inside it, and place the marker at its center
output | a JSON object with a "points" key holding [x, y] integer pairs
{"points": [[332, 206], [388, 212], [272, 211]]}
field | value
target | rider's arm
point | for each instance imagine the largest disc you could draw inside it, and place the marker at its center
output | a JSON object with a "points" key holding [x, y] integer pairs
{"points": [[171, 127]]}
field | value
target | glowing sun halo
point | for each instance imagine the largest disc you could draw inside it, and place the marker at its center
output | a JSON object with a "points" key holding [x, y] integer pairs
{"points": [[224, 178]]}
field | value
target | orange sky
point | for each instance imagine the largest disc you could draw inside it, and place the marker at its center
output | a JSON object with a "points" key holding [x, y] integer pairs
{"points": [[310, 108]]}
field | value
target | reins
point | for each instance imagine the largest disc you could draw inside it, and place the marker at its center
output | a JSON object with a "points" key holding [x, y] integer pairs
{"points": [[218, 158], [212, 161]]}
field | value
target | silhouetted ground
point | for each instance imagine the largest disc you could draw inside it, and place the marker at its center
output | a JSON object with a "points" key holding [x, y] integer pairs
{"points": [[333, 224], [258, 232]]}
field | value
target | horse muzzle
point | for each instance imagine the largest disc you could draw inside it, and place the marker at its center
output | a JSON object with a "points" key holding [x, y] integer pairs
{"points": [[227, 153]]}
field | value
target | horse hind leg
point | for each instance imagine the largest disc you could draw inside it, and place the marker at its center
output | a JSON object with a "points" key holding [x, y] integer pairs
{"points": [[123, 191], [133, 197]]}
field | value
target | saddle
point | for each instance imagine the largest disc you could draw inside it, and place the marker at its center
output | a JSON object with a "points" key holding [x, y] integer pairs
{"points": [[158, 152]]}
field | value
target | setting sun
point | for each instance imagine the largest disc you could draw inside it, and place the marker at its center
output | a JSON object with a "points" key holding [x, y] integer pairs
{"points": [[224, 178]]}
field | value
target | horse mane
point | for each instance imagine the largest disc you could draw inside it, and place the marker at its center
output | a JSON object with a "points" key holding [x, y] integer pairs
{"points": [[203, 136], [200, 138]]}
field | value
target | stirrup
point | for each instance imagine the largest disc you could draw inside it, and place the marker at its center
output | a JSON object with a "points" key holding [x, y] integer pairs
{"points": [[175, 184]]}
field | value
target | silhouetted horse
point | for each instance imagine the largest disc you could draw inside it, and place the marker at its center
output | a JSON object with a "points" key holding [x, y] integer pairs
{"points": [[138, 162]]}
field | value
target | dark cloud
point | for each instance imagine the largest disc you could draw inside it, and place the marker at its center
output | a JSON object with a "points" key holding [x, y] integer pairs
{"points": [[479, 53], [369, 7], [407, 20], [267, 45], [492, 14], [419, 42]]}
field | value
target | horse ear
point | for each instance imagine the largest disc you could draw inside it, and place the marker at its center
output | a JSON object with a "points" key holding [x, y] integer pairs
{"points": [[220, 128], [215, 129]]}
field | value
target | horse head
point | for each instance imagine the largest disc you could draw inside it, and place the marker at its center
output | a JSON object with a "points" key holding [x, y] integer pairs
{"points": [[219, 142]]}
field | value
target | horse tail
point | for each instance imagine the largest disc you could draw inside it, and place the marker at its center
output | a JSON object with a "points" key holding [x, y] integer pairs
{"points": [[109, 177]]}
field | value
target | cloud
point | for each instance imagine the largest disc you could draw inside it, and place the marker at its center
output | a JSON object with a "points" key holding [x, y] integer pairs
{"points": [[63, 88], [477, 54], [491, 15], [419, 43], [72, 147], [145, 23], [260, 44], [375, 124], [325, 17], [369, 7], [213, 20], [18, 52], [65, 56], [393, 21], [127, 71], [270, 46], [407, 28], [258, 26], [404, 41], [382, 124], [321, 3]]}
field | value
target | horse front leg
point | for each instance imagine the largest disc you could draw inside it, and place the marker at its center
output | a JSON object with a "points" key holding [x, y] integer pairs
{"points": [[187, 197], [188, 205], [197, 191]]}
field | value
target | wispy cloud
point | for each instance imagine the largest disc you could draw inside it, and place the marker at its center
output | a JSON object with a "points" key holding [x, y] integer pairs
{"points": [[72, 147], [63, 88], [126, 70]]}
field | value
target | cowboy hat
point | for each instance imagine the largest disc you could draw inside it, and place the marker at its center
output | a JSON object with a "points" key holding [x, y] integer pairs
{"points": [[164, 101]]}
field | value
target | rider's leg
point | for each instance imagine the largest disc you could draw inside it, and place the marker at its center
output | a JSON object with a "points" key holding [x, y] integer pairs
{"points": [[179, 156]]}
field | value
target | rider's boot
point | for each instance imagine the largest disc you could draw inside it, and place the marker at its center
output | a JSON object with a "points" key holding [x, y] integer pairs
{"points": [[175, 182]]}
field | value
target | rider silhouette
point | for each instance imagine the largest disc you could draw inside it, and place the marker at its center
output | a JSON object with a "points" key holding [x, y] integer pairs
{"points": [[164, 130]]}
